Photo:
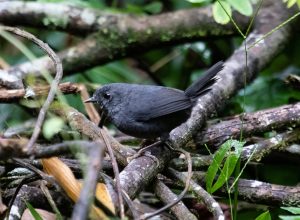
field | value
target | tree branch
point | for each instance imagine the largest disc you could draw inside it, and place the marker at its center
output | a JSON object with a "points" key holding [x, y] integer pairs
{"points": [[13, 95], [134, 176], [253, 123], [83, 21], [123, 36], [260, 192]]}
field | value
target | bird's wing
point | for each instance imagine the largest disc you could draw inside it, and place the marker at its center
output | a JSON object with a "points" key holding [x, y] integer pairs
{"points": [[162, 102]]}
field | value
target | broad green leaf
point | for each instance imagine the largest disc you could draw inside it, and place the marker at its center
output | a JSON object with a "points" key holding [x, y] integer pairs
{"points": [[217, 163], [153, 7], [264, 216], [229, 165], [242, 6], [219, 14], [290, 3], [52, 126], [298, 3], [33, 212], [294, 210], [289, 217]]}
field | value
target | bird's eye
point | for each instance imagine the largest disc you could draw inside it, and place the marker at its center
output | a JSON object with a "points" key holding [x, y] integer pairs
{"points": [[106, 95]]}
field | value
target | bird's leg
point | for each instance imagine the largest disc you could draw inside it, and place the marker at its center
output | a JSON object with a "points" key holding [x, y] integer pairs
{"points": [[143, 151]]}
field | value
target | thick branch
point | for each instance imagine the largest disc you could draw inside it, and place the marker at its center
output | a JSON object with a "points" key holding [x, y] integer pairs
{"points": [[167, 196], [201, 195], [137, 173], [253, 123], [254, 152], [81, 21], [232, 77], [124, 36], [260, 192], [80, 123]]}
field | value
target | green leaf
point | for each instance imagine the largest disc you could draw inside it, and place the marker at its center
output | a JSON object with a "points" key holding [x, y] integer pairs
{"points": [[54, 21], [197, 1], [264, 216], [229, 165], [218, 159], [290, 3], [242, 6], [219, 14], [153, 7], [289, 217], [52, 126], [294, 210], [33, 212]]}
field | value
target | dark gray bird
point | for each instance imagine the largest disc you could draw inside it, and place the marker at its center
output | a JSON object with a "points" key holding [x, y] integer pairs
{"points": [[147, 111]]}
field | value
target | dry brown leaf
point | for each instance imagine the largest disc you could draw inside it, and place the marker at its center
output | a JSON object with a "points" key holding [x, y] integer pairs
{"points": [[66, 179]]}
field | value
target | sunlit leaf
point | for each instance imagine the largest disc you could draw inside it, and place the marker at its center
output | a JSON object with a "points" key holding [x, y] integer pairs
{"points": [[290, 3], [242, 6], [52, 126], [289, 217], [264, 216], [219, 14], [294, 210]]}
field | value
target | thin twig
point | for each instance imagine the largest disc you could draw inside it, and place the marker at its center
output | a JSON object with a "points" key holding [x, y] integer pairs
{"points": [[11, 95], [54, 84], [211, 204], [83, 205], [125, 196], [47, 194], [116, 172], [182, 194]]}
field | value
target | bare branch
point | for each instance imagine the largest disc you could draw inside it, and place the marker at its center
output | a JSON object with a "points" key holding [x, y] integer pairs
{"points": [[54, 84], [83, 21], [253, 123], [135, 176], [167, 196], [211, 204], [12, 95], [260, 192], [82, 207]]}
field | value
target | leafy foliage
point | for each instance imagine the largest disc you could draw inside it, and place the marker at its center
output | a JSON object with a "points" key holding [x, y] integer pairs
{"points": [[222, 9], [229, 152], [290, 3], [33, 212], [222, 12], [264, 216], [293, 210], [52, 126]]}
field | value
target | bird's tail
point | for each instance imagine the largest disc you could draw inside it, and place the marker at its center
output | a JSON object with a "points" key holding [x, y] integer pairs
{"points": [[202, 85]]}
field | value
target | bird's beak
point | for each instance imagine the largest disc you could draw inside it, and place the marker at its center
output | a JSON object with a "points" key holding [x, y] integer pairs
{"points": [[90, 100]]}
